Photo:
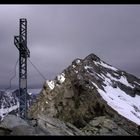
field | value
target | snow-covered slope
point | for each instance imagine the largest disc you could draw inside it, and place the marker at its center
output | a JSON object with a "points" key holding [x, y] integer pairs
{"points": [[117, 98], [9, 100], [8, 103]]}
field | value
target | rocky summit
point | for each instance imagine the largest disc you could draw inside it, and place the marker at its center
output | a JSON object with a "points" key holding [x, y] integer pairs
{"points": [[90, 97]]}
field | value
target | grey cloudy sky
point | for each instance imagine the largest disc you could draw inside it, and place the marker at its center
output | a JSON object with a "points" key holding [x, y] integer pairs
{"points": [[57, 34]]}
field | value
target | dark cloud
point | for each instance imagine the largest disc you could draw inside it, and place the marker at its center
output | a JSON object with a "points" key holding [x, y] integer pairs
{"points": [[57, 34]]}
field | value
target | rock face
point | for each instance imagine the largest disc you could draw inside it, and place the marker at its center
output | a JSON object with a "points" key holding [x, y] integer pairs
{"points": [[103, 126], [43, 125], [87, 90], [13, 125], [11, 121], [53, 126]]}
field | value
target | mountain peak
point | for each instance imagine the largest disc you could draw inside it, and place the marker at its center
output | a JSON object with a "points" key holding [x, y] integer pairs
{"points": [[92, 57], [93, 88]]}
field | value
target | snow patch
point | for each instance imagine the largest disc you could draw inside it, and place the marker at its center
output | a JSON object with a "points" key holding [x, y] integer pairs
{"points": [[108, 66], [29, 93], [61, 78], [105, 65], [122, 80], [125, 82], [95, 85], [136, 83], [78, 61], [76, 71], [88, 67], [73, 66], [51, 84], [34, 91], [116, 74]]}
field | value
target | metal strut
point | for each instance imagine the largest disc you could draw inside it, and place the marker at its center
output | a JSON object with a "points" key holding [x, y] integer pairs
{"points": [[21, 44]]}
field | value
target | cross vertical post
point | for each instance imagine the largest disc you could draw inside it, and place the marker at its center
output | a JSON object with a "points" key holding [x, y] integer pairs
{"points": [[21, 44]]}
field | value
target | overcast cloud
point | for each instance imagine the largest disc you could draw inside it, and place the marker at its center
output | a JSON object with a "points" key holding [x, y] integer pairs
{"points": [[57, 34]]}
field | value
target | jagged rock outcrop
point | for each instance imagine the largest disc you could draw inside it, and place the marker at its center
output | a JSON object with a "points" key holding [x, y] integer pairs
{"points": [[88, 89]]}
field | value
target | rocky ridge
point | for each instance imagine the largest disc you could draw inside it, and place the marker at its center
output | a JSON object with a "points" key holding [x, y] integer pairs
{"points": [[90, 97], [91, 88]]}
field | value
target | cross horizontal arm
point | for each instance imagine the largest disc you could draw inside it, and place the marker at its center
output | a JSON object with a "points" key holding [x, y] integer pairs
{"points": [[21, 46]]}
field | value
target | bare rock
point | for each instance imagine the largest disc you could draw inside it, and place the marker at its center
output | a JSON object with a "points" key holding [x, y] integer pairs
{"points": [[53, 126], [103, 126], [11, 121]]}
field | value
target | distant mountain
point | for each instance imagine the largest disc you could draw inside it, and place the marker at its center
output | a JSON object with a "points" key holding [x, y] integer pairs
{"points": [[9, 101], [88, 89]]}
